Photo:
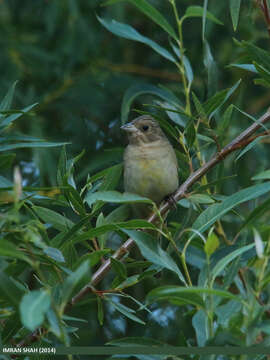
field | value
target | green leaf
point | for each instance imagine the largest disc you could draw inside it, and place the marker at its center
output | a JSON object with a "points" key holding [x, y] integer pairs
{"points": [[33, 307], [190, 133], [226, 120], [250, 146], [58, 221], [199, 107], [54, 253], [109, 182], [139, 89], [150, 12], [115, 197], [6, 102], [39, 144], [247, 67], [9, 119], [54, 323], [212, 105], [177, 295], [186, 62], [197, 11], [220, 266], [259, 245], [263, 72], [212, 243], [264, 175], [126, 311], [154, 15], [119, 268], [152, 251], [257, 54], [189, 295], [201, 327], [201, 199], [132, 224], [258, 212], [128, 32], [211, 67], [235, 10], [216, 211], [7, 248], [10, 291], [72, 280]]}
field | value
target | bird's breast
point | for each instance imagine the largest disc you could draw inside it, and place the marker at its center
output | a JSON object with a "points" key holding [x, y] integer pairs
{"points": [[151, 170]]}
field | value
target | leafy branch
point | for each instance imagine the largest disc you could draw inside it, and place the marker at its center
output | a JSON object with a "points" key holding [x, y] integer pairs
{"points": [[239, 142]]}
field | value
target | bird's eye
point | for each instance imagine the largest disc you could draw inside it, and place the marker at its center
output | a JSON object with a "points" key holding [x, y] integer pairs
{"points": [[145, 127]]}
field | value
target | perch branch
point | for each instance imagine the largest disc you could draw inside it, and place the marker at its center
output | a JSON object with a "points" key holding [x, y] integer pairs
{"points": [[238, 143]]}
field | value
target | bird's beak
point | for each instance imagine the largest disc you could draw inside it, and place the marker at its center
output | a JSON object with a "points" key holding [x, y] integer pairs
{"points": [[129, 127]]}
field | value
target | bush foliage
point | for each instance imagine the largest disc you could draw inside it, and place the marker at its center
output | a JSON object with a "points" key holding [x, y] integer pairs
{"points": [[203, 71]]}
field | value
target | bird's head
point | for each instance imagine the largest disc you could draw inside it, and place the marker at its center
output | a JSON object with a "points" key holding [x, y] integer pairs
{"points": [[143, 130]]}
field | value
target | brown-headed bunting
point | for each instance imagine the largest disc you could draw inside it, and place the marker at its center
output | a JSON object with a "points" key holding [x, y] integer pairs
{"points": [[150, 164]]}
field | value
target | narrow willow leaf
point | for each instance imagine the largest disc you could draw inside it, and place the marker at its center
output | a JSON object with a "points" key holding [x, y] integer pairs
{"points": [[216, 211], [54, 322], [124, 310], [10, 291], [54, 253], [73, 280], [58, 221], [212, 243], [171, 292], [257, 54], [128, 32], [263, 72], [6, 102], [7, 248], [115, 197], [247, 67], [198, 11], [37, 144], [235, 10], [258, 212], [154, 15], [264, 175], [259, 245], [153, 252], [151, 12], [9, 119], [33, 308], [119, 268], [212, 105], [132, 224], [250, 146], [220, 266], [139, 89], [211, 67]]}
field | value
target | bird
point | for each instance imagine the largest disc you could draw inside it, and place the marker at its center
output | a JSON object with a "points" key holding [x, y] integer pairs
{"points": [[150, 163]]}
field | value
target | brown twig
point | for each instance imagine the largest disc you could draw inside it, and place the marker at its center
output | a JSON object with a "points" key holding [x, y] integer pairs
{"points": [[239, 142]]}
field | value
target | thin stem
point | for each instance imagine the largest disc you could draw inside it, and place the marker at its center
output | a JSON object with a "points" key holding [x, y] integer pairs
{"points": [[184, 264], [181, 66]]}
